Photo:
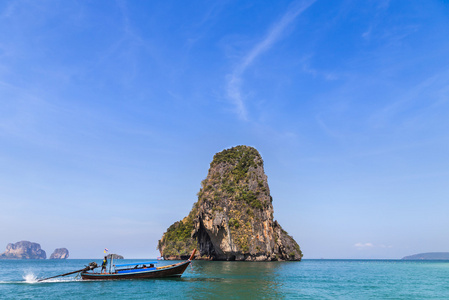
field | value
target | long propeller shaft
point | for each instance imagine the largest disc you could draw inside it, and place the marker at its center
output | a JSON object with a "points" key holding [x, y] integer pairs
{"points": [[91, 266]]}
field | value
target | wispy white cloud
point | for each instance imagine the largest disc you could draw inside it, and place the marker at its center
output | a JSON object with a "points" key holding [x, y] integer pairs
{"points": [[319, 73], [370, 245], [234, 80], [204, 24], [327, 129], [363, 245], [381, 7], [433, 89]]}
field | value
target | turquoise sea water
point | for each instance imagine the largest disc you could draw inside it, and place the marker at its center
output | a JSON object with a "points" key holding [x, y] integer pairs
{"points": [[309, 279]]}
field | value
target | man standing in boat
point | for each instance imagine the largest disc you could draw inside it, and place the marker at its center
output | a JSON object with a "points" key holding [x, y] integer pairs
{"points": [[104, 264]]}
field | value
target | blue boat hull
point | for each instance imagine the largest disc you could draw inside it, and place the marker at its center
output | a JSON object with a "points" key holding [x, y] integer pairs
{"points": [[175, 270]]}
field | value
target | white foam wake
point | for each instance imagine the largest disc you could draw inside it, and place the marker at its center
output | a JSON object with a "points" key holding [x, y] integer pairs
{"points": [[30, 278]]}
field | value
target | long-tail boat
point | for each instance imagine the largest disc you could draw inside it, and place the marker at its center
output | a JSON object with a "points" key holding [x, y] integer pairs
{"points": [[142, 270]]}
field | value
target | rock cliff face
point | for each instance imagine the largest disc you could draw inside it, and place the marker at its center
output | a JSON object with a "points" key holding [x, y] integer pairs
{"points": [[233, 218], [60, 253], [23, 250]]}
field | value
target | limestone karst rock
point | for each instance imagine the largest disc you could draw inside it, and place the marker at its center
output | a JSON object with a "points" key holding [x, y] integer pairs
{"points": [[114, 256], [23, 250], [233, 218], [60, 253]]}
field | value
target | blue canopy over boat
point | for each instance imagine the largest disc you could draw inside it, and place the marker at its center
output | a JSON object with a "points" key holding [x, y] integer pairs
{"points": [[137, 263]]}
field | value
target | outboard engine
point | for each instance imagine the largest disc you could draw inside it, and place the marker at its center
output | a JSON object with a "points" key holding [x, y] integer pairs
{"points": [[92, 266]]}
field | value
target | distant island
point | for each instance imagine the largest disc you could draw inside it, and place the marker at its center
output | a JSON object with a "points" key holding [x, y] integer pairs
{"points": [[30, 250], [23, 250], [114, 256], [428, 256], [233, 217], [60, 253]]}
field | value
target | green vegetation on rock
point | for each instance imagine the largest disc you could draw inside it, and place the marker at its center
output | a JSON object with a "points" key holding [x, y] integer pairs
{"points": [[177, 241], [233, 218], [242, 157]]}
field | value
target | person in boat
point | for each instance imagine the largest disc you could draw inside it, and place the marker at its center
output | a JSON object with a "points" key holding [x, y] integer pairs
{"points": [[104, 264]]}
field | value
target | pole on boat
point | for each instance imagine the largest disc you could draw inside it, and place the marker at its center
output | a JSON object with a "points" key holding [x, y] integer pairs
{"points": [[89, 267], [193, 254], [110, 263]]}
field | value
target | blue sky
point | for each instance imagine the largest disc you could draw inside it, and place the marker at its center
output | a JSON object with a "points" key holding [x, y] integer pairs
{"points": [[111, 112]]}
